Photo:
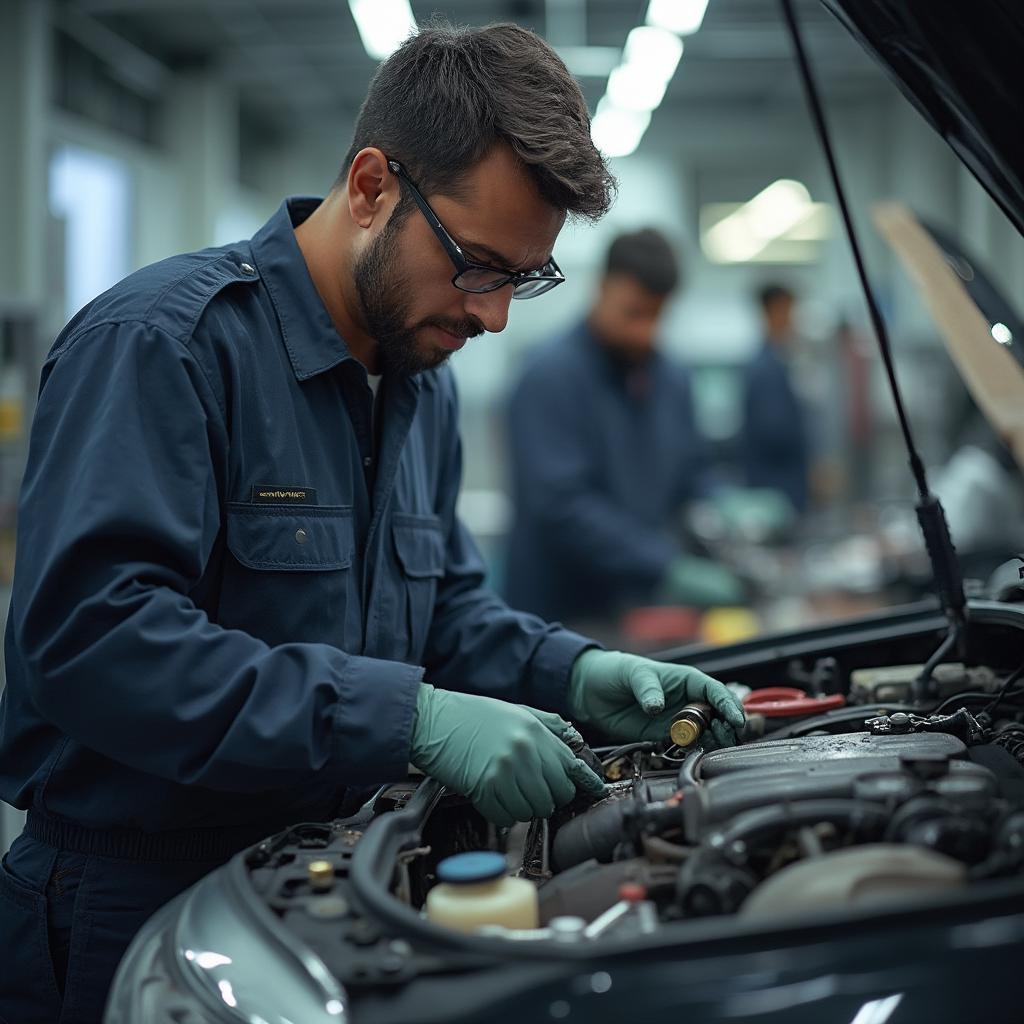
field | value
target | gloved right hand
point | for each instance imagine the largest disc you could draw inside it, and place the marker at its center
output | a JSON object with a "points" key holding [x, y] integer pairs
{"points": [[509, 759]]}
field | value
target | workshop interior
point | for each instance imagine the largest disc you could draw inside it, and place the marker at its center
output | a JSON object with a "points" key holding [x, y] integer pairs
{"points": [[834, 193]]}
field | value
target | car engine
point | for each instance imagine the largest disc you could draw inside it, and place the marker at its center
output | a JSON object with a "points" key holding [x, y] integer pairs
{"points": [[861, 804], [862, 787]]}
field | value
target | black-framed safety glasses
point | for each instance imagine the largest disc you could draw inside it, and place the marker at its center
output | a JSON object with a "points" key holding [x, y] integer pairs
{"points": [[471, 276]]}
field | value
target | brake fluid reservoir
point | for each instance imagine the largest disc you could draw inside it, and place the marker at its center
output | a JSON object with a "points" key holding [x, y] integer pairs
{"points": [[474, 891]]}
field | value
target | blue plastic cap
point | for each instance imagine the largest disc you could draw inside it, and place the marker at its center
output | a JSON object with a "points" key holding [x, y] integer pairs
{"points": [[466, 868]]}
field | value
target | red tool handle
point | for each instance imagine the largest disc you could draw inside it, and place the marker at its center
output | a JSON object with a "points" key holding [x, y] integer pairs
{"points": [[789, 702]]}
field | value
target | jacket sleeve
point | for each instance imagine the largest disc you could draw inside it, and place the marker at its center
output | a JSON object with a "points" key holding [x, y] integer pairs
{"points": [[476, 643], [557, 483], [121, 507]]}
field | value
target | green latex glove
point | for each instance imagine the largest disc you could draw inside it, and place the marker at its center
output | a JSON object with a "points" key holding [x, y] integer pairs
{"points": [[700, 582], [632, 698], [509, 759]]}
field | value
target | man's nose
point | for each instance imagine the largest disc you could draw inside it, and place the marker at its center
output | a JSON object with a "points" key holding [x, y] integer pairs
{"points": [[490, 308]]}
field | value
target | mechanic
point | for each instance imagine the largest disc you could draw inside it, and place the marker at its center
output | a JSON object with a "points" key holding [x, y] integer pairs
{"points": [[605, 451], [242, 591], [774, 447]]}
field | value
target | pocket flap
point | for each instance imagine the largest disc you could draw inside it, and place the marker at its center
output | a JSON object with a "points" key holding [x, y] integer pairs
{"points": [[306, 540], [419, 544]]}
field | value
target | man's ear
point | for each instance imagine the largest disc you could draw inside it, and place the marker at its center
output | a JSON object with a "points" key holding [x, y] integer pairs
{"points": [[372, 189]]}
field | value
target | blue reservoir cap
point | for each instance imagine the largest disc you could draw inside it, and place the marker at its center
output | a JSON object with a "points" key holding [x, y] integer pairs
{"points": [[467, 868]]}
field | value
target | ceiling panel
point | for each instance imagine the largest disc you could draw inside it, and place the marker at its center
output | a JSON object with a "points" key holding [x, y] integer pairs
{"points": [[303, 57]]}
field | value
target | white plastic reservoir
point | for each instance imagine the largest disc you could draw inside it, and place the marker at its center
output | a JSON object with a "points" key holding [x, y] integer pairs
{"points": [[474, 891]]}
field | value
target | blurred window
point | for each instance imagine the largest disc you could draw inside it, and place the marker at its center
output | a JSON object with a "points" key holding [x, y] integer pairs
{"points": [[90, 194]]}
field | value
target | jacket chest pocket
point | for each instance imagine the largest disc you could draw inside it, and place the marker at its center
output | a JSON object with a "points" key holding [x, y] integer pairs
{"points": [[289, 577], [419, 548]]}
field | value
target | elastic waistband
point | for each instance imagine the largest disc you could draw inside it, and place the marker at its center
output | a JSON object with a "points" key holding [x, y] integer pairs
{"points": [[199, 844]]}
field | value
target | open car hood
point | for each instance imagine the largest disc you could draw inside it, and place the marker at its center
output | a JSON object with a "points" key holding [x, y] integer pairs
{"points": [[959, 64], [969, 314]]}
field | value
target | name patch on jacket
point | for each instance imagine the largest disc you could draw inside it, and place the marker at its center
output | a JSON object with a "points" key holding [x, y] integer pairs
{"points": [[273, 494]]}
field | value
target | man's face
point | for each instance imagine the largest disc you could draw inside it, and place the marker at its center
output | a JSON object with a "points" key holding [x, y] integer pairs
{"points": [[778, 315], [403, 277], [626, 316]]}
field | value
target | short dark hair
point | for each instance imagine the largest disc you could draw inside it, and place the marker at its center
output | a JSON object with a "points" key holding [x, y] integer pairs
{"points": [[448, 95], [769, 294], [648, 257]]}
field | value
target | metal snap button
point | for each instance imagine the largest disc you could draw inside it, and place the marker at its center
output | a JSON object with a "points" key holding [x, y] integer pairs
{"points": [[247, 268], [301, 536]]}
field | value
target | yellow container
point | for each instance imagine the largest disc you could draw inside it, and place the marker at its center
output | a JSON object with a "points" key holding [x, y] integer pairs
{"points": [[474, 891]]}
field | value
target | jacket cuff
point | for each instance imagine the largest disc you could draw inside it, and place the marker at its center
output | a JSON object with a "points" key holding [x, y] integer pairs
{"points": [[547, 684], [373, 720]]}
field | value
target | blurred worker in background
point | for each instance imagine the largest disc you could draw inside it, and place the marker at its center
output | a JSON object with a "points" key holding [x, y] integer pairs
{"points": [[604, 452], [774, 447], [243, 594]]}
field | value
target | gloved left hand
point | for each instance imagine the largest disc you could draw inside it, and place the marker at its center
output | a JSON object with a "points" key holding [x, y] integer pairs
{"points": [[630, 698]]}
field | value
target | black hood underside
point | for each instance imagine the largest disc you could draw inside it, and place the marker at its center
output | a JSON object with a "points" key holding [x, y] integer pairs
{"points": [[961, 65]]}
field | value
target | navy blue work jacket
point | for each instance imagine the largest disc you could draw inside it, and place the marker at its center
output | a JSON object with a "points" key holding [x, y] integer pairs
{"points": [[602, 458], [226, 594], [773, 440]]}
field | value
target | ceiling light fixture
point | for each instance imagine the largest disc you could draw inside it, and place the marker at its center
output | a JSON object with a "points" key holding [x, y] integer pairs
{"points": [[632, 87], [781, 212], [617, 131], [635, 88], [383, 25], [654, 49], [683, 17]]}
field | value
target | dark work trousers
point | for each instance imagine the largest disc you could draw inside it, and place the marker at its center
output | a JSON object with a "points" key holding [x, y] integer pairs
{"points": [[65, 921]]}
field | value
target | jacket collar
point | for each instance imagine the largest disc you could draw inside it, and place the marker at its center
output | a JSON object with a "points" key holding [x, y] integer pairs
{"points": [[313, 342]]}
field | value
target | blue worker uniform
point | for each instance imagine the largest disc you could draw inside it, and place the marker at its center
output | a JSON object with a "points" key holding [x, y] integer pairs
{"points": [[228, 590], [774, 444], [603, 455]]}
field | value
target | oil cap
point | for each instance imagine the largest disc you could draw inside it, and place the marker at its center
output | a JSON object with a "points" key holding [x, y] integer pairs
{"points": [[321, 874], [472, 868], [688, 726]]}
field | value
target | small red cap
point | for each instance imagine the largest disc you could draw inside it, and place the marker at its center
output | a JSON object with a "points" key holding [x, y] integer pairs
{"points": [[632, 892]]}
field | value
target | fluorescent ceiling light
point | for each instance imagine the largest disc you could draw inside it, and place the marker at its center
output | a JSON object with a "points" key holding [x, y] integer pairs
{"points": [[680, 16], [773, 211], [383, 25], [633, 87], [654, 49], [617, 131], [781, 213]]}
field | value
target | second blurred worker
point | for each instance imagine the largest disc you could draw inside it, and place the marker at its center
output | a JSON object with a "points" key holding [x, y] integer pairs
{"points": [[604, 451]]}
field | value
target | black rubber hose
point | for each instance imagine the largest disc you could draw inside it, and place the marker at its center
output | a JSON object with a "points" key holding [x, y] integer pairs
{"points": [[751, 826], [592, 835], [688, 769]]}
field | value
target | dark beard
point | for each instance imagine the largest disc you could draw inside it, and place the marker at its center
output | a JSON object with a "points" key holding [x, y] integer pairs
{"points": [[383, 295]]}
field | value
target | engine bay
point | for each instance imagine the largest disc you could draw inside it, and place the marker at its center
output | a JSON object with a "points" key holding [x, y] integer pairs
{"points": [[866, 803], [858, 790]]}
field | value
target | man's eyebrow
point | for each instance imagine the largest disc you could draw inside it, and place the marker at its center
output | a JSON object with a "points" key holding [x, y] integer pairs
{"points": [[487, 252], [491, 254]]}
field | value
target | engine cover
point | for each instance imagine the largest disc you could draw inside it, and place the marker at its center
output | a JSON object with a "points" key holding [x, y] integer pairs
{"points": [[885, 769], [781, 755]]}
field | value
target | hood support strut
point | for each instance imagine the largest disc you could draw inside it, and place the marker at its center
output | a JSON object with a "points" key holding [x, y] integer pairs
{"points": [[930, 514]]}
